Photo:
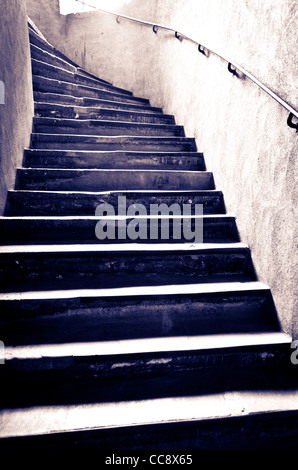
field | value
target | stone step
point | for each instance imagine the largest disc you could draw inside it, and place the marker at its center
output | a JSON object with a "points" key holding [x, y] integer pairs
{"points": [[69, 100], [79, 315], [112, 371], [82, 112], [48, 267], [111, 180], [50, 85], [46, 47], [42, 69], [67, 203], [36, 40], [110, 143], [81, 229], [44, 56], [93, 127], [34, 158], [245, 421]]}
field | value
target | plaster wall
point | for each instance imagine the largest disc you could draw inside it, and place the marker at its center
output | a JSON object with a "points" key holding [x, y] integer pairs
{"points": [[242, 131], [16, 103]]}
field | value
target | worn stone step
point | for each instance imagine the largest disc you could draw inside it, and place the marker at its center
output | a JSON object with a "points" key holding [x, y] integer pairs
{"points": [[47, 267], [112, 371], [34, 158], [24, 202], [45, 56], [38, 41], [98, 127], [100, 143], [46, 47], [83, 112], [43, 69], [81, 229], [69, 100], [80, 315], [49, 85], [105, 180], [260, 428]]}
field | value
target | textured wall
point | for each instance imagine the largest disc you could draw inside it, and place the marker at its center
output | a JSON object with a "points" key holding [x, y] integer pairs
{"points": [[46, 15], [242, 132], [17, 110]]}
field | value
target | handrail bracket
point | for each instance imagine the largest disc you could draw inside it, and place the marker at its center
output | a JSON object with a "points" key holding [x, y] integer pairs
{"points": [[201, 50], [291, 123], [232, 71]]}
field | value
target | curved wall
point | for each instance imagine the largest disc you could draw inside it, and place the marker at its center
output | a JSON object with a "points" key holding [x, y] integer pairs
{"points": [[16, 96]]}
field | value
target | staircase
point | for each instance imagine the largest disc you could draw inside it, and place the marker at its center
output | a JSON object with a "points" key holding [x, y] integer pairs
{"points": [[129, 344]]}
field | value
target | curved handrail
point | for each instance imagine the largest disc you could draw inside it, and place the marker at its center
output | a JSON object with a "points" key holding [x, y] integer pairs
{"points": [[155, 26]]}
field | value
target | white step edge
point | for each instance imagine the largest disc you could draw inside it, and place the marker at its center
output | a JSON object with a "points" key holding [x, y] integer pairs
{"points": [[111, 152], [155, 138], [90, 108], [181, 289], [116, 217], [114, 170], [120, 191], [53, 419], [145, 345], [136, 247]]}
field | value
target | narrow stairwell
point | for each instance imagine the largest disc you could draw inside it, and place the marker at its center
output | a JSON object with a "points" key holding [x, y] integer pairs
{"points": [[129, 344]]}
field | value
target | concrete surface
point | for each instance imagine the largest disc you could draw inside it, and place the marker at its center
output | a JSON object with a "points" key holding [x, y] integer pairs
{"points": [[242, 131], [16, 105]]}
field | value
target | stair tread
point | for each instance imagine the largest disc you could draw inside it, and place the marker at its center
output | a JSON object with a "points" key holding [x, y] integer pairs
{"points": [[57, 84], [112, 152], [189, 248], [101, 103], [80, 108], [136, 191], [184, 289], [147, 345], [116, 217], [98, 123], [112, 138], [83, 126], [93, 138], [54, 419]]}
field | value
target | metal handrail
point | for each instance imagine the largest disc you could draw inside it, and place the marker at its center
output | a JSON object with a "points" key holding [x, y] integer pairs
{"points": [[232, 66]]}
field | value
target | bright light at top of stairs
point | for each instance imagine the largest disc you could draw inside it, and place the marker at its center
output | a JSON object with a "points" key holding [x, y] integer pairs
{"points": [[72, 6]]}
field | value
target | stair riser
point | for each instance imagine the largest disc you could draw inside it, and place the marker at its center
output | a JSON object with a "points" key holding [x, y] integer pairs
{"points": [[97, 180], [94, 379], [73, 112], [41, 271], [59, 99], [112, 319], [46, 85], [49, 71], [82, 231], [91, 143], [103, 128], [32, 203], [93, 160]]}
